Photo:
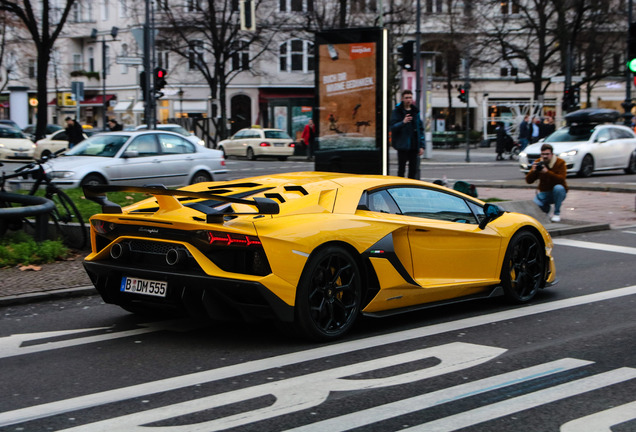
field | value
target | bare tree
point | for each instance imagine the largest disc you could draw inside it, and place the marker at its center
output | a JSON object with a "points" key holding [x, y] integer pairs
{"points": [[211, 42], [540, 36], [44, 23]]}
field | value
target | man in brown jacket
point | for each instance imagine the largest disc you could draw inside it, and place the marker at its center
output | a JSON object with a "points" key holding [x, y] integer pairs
{"points": [[551, 172]]}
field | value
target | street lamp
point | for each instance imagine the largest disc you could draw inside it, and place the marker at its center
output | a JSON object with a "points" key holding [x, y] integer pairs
{"points": [[180, 93], [94, 34]]}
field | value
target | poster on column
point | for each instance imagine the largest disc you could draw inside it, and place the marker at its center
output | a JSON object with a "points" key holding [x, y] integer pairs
{"points": [[351, 101]]}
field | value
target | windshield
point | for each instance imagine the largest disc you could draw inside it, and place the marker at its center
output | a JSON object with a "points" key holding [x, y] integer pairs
{"points": [[99, 145], [571, 133], [11, 133], [172, 128], [276, 134]]}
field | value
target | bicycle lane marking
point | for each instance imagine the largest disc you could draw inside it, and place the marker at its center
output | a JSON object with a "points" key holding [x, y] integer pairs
{"points": [[124, 393]]}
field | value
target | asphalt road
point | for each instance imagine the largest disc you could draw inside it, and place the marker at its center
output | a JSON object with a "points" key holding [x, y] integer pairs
{"points": [[564, 363]]}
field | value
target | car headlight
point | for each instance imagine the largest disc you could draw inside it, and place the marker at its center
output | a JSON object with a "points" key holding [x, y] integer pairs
{"points": [[201, 142], [569, 153], [523, 154], [62, 174]]}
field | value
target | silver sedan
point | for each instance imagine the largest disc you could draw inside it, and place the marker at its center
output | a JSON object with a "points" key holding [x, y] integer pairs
{"points": [[136, 158]]}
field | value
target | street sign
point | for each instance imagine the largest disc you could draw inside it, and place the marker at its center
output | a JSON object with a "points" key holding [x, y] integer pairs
{"points": [[77, 89], [130, 60]]}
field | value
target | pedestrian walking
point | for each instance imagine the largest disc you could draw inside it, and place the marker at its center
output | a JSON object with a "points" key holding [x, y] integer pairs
{"points": [[502, 138], [74, 132], [113, 125], [309, 135], [535, 130], [524, 133], [407, 135], [551, 171]]}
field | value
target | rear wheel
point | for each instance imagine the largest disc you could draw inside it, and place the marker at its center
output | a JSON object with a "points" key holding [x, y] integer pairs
{"points": [[587, 166], [523, 266], [250, 154], [631, 167], [45, 154], [69, 224], [329, 294], [200, 176], [223, 150]]}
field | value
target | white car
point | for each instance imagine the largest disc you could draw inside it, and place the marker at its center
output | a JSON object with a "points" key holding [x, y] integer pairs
{"points": [[14, 144], [51, 143], [135, 158], [172, 127], [255, 142], [587, 148]]}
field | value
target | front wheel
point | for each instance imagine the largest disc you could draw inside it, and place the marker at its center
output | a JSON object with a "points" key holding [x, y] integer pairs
{"points": [[523, 267], [587, 166], [93, 180], [69, 224], [250, 154], [329, 294]]}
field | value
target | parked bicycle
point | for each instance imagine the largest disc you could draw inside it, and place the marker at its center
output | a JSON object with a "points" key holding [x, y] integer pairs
{"points": [[67, 220]]}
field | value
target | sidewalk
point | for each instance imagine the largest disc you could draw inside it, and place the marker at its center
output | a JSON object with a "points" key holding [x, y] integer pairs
{"points": [[583, 211]]}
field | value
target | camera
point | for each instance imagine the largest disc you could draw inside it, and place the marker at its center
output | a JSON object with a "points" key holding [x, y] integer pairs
{"points": [[539, 166]]}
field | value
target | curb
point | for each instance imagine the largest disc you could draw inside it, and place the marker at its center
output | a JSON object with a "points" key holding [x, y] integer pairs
{"points": [[35, 297]]}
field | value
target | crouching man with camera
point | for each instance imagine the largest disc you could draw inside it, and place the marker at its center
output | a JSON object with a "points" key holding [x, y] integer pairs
{"points": [[551, 172]]}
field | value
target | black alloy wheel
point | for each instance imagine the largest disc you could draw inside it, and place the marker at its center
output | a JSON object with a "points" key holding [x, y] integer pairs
{"points": [[523, 267], [329, 294]]}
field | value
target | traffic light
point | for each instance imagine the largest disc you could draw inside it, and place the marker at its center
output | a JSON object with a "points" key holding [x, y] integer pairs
{"points": [[631, 48], [406, 55], [568, 99], [160, 81], [462, 94], [576, 96]]}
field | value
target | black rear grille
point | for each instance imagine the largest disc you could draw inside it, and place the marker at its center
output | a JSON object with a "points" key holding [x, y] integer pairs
{"points": [[150, 247]]}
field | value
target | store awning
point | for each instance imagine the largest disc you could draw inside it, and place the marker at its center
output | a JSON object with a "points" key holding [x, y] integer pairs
{"points": [[139, 107], [123, 106], [442, 102], [191, 106], [96, 100], [285, 93]]}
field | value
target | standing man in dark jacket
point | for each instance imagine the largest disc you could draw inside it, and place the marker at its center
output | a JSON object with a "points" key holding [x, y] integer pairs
{"points": [[524, 133], [407, 135], [74, 132]]}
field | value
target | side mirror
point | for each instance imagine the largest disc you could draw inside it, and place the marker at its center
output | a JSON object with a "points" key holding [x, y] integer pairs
{"points": [[491, 212], [130, 154]]}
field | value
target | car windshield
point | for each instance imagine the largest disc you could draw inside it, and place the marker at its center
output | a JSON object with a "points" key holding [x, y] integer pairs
{"points": [[7, 132], [276, 134], [571, 133], [99, 145]]}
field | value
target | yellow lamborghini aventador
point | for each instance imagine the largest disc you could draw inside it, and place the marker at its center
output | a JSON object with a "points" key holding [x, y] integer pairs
{"points": [[313, 249]]}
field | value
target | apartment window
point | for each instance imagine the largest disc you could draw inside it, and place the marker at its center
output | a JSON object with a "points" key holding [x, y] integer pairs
{"points": [[91, 59], [296, 55], [362, 6], [163, 58], [76, 12], [509, 7], [195, 55], [90, 10], [434, 6], [32, 66], [241, 56], [193, 6], [296, 5], [124, 53], [77, 62], [122, 8]]}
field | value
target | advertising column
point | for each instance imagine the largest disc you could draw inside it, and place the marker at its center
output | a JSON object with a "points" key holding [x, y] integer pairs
{"points": [[351, 97]]}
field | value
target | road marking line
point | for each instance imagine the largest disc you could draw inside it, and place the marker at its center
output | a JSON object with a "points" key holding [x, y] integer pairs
{"points": [[450, 394], [528, 401], [595, 246], [163, 385], [602, 421]]}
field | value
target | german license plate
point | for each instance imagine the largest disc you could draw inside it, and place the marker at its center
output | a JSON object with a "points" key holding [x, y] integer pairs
{"points": [[279, 144], [19, 154], [144, 286]]}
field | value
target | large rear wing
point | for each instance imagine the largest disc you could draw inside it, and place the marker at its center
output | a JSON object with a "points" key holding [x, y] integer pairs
{"points": [[97, 193]]}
